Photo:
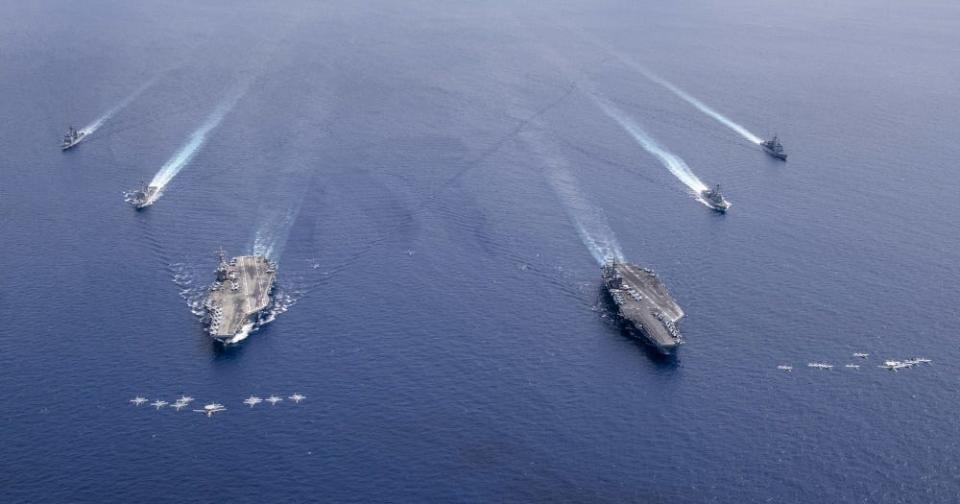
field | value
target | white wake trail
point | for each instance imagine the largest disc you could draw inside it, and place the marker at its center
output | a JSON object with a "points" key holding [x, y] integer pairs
{"points": [[671, 161], [703, 107], [590, 221], [271, 236], [95, 125], [198, 138]]}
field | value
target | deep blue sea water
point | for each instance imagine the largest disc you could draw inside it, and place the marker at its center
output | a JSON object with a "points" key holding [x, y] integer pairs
{"points": [[435, 179]]}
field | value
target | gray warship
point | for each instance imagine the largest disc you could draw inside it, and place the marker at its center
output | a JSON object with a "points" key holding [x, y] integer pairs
{"points": [[73, 137], [774, 148], [714, 199], [644, 304], [238, 296], [142, 197]]}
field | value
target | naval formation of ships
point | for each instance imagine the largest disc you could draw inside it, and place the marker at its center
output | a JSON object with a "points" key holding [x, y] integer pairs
{"points": [[243, 286]]}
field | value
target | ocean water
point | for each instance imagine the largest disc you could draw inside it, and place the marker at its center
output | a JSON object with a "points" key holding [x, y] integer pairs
{"points": [[438, 182]]}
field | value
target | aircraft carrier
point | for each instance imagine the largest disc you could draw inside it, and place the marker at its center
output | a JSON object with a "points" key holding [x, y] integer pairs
{"points": [[644, 304], [238, 296]]}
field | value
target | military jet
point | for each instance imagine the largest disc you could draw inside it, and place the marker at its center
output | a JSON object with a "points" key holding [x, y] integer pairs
{"points": [[211, 408], [861, 355], [138, 401], [178, 405], [185, 399], [297, 398], [273, 400], [252, 401], [820, 365], [158, 404], [784, 367]]}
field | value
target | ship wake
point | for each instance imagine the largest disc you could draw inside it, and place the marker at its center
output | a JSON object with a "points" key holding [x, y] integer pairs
{"points": [[197, 140], [95, 125], [683, 95], [590, 222], [702, 107], [677, 166], [271, 236]]}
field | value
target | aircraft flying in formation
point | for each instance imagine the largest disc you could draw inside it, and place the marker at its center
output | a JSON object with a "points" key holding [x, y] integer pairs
{"points": [[297, 398], [139, 400], [273, 400], [158, 404], [252, 401]]}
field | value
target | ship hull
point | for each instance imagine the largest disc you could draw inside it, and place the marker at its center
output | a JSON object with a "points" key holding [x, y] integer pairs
{"points": [[644, 307], [70, 145], [779, 155]]}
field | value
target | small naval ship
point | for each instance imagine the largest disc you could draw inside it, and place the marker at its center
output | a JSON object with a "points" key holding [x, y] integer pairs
{"points": [[644, 304], [142, 197], [714, 199], [238, 296], [774, 148], [73, 137]]}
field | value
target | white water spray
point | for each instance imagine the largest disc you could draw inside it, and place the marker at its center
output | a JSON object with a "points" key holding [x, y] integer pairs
{"points": [[590, 222], [674, 163], [197, 139]]}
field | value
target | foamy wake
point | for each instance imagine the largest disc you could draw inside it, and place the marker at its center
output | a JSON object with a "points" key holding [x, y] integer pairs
{"points": [[671, 161], [271, 236], [722, 119], [702, 107], [197, 139], [95, 125], [590, 222]]}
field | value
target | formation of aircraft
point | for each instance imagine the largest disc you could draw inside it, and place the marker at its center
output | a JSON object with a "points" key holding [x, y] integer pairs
{"points": [[892, 365], [184, 400]]}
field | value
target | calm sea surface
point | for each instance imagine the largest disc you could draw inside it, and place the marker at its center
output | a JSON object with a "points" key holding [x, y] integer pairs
{"points": [[437, 181]]}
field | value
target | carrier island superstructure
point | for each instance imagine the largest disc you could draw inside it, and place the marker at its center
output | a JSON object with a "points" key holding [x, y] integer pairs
{"points": [[644, 304], [238, 296]]}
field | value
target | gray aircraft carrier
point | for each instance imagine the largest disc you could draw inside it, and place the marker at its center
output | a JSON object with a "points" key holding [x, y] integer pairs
{"points": [[241, 291], [644, 304]]}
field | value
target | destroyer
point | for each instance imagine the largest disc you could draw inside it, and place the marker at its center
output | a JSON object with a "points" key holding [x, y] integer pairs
{"points": [[142, 197], [774, 148], [714, 199], [73, 137], [238, 296], [644, 304]]}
